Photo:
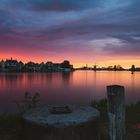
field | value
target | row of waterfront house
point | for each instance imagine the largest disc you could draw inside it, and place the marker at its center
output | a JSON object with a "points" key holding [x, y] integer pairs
{"points": [[11, 65]]}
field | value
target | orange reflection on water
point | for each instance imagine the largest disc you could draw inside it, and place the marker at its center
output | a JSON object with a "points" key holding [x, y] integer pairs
{"points": [[77, 87]]}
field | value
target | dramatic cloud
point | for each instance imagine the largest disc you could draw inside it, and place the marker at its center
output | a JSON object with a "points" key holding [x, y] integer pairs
{"points": [[52, 5], [70, 27]]}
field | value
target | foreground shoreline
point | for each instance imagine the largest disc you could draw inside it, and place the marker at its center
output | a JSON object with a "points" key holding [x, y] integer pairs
{"points": [[11, 123]]}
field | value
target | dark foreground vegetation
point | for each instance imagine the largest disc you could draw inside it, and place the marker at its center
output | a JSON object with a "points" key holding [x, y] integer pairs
{"points": [[11, 125], [132, 120]]}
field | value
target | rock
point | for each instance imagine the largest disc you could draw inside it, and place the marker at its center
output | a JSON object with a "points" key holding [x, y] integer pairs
{"points": [[81, 123]]}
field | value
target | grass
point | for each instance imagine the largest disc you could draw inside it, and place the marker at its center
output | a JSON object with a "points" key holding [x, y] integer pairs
{"points": [[132, 117], [11, 124], [102, 107]]}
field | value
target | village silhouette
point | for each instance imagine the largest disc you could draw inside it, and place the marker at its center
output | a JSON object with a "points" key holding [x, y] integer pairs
{"points": [[13, 65]]}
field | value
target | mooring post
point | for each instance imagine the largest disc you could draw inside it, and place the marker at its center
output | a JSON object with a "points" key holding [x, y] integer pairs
{"points": [[116, 111]]}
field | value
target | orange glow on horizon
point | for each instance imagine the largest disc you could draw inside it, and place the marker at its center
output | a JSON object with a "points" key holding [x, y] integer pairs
{"points": [[76, 61], [123, 63]]}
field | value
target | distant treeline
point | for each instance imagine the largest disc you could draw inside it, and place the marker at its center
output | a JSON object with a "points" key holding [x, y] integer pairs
{"points": [[110, 68]]}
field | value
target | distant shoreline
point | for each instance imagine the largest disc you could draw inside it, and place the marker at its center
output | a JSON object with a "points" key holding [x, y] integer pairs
{"points": [[108, 70], [66, 71]]}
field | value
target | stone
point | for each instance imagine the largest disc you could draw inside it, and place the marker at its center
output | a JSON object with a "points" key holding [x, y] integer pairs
{"points": [[82, 122]]}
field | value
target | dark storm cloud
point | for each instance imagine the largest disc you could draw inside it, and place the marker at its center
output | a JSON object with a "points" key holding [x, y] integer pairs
{"points": [[129, 38], [5, 22], [64, 5], [130, 49], [54, 5], [49, 22]]}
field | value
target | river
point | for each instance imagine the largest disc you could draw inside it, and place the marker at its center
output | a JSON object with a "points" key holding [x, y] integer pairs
{"points": [[78, 87]]}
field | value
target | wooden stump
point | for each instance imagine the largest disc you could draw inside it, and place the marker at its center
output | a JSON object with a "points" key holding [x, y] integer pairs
{"points": [[116, 112]]}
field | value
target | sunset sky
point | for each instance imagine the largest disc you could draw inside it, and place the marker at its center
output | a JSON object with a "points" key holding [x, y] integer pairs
{"points": [[105, 32]]}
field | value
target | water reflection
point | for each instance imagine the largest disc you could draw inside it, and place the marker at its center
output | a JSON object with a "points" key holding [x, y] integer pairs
{"points": [[66, 77], [79, 87]]}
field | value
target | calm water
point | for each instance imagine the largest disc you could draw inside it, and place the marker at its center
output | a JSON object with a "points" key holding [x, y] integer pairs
{"points": [[79, 87]]}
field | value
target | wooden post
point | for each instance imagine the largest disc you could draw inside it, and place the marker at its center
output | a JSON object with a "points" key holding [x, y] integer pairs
{"points": [[116, 111]]}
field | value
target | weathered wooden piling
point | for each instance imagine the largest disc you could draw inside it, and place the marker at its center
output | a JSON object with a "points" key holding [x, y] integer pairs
{"points": [[116, 111]]}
